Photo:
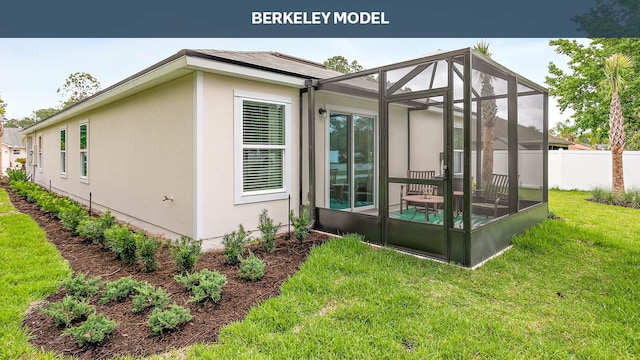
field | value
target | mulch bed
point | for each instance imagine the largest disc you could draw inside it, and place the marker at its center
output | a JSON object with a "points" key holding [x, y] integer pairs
{"points": [[132, 336]]}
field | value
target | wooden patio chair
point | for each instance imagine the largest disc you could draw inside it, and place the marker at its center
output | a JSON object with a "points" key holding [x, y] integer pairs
{"points": [[494, 198], [415, 189]]}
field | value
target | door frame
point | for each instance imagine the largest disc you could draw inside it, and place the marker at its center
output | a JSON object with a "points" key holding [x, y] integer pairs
{"points": [[376, 156], [407, 234]]}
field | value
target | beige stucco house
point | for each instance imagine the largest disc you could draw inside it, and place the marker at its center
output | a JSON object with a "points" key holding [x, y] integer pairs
{"points": [[13, 148], [163, 148], [205, 139]]}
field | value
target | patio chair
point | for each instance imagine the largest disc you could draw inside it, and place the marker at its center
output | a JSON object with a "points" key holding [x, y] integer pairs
{"points": [[494, 198], [415, 189]]}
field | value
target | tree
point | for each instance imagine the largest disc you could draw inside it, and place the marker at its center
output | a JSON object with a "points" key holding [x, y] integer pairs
{"points": [[612, 19], [341, 64], [614, 69], [488, 113], [77, 87], [3, 106], [564, 130], [27, 121], [580, 90]]}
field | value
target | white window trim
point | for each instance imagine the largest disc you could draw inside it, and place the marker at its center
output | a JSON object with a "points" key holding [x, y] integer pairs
{"points": [[240, 196], [63, 174], [327, 163], [84, 179], [39, 152]]}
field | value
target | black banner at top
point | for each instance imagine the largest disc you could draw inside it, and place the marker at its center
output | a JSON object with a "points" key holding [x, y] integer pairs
{"points": [[347, 18]]}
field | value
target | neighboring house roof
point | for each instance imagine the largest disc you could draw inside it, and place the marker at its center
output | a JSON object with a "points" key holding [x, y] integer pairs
{"points": [[12, 138], [580, 147], [257, 65], [558, 142]]}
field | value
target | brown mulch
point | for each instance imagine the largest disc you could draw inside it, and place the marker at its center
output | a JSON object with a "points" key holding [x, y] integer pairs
{"points": [[132, 336]]}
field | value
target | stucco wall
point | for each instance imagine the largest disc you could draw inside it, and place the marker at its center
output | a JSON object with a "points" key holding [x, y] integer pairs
{"points": [[220, 213], [140, 150]]}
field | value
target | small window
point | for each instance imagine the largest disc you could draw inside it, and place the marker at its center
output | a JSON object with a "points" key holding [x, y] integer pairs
{"points": [[16, 151], [63, 151], [84, 151], [262, 159]]}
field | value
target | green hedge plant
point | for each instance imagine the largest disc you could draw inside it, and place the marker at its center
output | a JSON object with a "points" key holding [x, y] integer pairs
{"points": [[234, 244], [68, 310], [205, 285], [148, 297], [162, 321], [269, 230], [122, 242], [301, 224], [119, 290], [92, 331], [252, 268], [81, 287], [147, 249], [185, 251], [71, 215]]}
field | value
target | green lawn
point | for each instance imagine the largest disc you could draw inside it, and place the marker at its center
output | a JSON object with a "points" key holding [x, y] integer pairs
{"points": [[30, 269], [567, 289]]}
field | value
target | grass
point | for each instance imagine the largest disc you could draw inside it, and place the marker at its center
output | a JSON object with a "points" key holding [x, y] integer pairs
{"points": [[30, 269], [567, 289]]}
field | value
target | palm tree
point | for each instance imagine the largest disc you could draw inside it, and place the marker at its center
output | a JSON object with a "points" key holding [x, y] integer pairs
{"points": [[489, 112], [614, 67]]}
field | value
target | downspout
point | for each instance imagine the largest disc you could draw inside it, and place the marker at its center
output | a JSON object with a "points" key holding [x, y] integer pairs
{"points": [[311, 84], [300, 147]]}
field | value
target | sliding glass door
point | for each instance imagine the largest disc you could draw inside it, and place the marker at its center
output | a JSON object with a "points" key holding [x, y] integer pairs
{"points": [[352, 161]]}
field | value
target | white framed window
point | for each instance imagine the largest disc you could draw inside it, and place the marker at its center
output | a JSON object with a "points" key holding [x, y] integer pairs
{"points": [[262, 137], [84, 151], [39, 158], [16, 151], [63, 152]]}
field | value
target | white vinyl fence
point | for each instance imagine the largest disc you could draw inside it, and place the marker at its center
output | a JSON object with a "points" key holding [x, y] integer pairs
{"points": [[585, 170]]}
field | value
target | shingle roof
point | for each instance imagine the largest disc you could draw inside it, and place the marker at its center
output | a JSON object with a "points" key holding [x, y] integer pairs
{"points": [[11, 137], [270, 60]]}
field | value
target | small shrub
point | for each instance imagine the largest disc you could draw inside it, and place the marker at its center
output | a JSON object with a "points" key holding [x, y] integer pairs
{"points": [[150, 297], [92, 331], [17, 175], [551, 215], [80, 287], [147, 248], [93, 229], [68, 310], [268, 230], [71, 215], [90, 229], [161, 321], [301, 224], [234, 244], [252, 268], [119, 289], [49, 203], [186, 252], [205, 285], [122, 242]]}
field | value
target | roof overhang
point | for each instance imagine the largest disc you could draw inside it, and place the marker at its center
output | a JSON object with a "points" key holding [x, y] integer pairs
{"points": [[174, 67]]}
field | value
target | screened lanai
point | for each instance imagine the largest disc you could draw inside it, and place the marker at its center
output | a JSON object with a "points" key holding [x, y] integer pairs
{"points": [[444, 155]]}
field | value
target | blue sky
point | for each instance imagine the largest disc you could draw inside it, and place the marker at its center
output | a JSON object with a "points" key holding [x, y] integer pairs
{"points": [[32, 69]]}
